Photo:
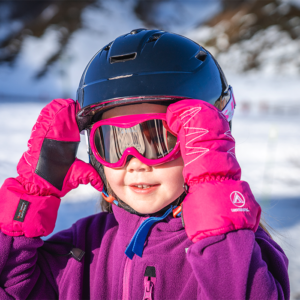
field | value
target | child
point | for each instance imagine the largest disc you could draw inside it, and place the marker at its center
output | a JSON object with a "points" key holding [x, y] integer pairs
{"points": [[178, 223]]}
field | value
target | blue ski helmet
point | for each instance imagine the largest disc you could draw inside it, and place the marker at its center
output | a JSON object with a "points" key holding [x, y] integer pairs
{"points": [[151, 66]]}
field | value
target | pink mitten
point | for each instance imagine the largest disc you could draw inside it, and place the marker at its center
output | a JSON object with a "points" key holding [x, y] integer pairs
{"points": [[217, 201], [48, 170]]}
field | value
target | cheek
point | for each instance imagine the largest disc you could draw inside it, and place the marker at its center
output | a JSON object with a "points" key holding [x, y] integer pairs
{"points": [[172, 176], [115, 178], [176, 181]]}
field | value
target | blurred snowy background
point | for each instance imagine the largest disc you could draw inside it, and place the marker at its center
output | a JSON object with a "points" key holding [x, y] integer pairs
{"points": [[45, 46]]}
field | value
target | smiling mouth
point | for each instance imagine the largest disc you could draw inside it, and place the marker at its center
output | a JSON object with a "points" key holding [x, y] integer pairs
{"points": [[143, 186]]}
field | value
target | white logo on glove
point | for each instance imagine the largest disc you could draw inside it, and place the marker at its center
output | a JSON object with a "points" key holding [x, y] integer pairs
{"points": [[237, 199]]}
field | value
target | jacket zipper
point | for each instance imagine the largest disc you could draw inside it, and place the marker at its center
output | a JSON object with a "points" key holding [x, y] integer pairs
{"points": [[149, 282], [126, 274]]}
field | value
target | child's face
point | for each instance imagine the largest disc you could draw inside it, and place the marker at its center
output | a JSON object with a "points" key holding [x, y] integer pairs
{"points": [[165, 181]]}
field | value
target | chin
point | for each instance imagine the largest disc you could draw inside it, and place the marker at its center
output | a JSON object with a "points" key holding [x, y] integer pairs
{"points": [[147, 210]]}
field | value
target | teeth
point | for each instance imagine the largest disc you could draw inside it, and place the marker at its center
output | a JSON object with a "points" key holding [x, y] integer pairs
{"points": [[143, 186]]}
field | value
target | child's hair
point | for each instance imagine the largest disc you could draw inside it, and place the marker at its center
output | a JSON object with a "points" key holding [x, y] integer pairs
{"points": [[263, 224]]}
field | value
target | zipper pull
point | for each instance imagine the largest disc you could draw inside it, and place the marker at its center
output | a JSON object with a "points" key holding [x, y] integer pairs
{"points": [[149, 282]]}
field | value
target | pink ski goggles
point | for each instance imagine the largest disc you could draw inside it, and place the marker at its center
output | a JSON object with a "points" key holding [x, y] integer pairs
{"points": [[146, 137]]}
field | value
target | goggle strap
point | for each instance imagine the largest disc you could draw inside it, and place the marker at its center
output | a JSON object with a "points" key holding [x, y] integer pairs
{"points": [[109, 198], [177, 211], [229, 108], [87, 142]]}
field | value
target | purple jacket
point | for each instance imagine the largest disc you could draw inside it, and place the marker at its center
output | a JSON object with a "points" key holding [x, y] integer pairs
{"points": [[236, 265]]}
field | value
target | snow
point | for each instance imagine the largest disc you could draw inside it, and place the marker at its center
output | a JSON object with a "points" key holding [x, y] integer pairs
{"points": [[63, 77], [266, 124], [16, 121], [49, 12], [35, 53], [191, 14], [7, 27], [267, 148], [267, 137], [275, 51], [291, 2], [276, 91], [98, 30]]}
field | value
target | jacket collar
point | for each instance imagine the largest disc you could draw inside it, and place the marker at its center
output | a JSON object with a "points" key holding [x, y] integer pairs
{"points": [[129, 223]]}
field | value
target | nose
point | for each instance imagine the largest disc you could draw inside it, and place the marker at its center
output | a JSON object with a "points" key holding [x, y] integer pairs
{"points": [[135, 165]]}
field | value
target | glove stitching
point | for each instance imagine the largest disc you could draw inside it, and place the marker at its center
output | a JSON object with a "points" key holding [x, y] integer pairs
{"points": [[195, 181]]}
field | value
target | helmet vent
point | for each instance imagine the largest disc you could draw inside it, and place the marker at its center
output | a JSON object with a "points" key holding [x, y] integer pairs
{"points": [[122, 58], [107, 47], [135, 31], [201, 55], [154, 37]]}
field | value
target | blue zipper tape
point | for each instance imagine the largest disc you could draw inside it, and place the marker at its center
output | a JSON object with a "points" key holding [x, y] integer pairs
{"points": [[136, 245]]}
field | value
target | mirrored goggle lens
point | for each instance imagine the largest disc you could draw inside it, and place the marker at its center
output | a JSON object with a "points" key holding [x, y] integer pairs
{"points": [[152, 139]]}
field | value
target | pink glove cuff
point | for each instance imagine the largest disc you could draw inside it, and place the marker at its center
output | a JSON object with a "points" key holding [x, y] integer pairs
{"points": [[23, 214], [217, 207]]}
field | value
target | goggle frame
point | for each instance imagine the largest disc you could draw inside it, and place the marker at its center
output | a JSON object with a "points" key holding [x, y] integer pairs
{"points": [[127, 122]]}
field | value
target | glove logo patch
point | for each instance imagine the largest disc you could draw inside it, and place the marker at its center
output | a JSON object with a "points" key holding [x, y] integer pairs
{"points": [[238, 200], [21, 210]]}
